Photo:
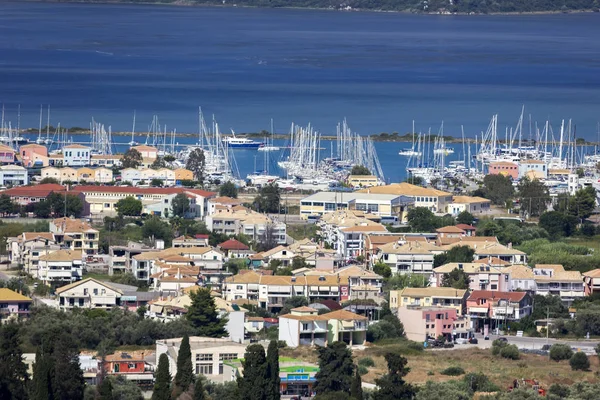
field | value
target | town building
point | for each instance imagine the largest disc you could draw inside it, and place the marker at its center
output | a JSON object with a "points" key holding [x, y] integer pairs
{"points": [[430, 297], [7, 155], [13, 305], [13, 175], [473, 205], [33, 194], [490, 309], [34, 155], [407, 257], [210, 356], [435, 200], [199, 240], [88, 293], [235, 249], [240, 220], [76, 155], [522, 278], [303, 326], [60, 267], [78, 235], [505, 168], [552, 279], [482, 277], [362, 181], [533, 169], [221, 204], [429, 322], [26, 249], [132, 365], [591, 280], [106, 160]]}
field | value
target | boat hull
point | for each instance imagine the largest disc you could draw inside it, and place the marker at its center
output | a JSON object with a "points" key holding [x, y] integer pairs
{"points": [[243, 145]]}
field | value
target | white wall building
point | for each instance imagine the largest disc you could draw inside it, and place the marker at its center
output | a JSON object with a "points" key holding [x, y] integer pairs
{"points": [[13, 175], [76, 155]]}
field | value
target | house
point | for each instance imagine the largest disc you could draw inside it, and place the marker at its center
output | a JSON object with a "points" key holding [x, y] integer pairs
{"points": [[32, 194], [88, 293], [430, 297], [282, 254], [432, 199], [132, 365], [26, 249], [473, 205], [533, 169], [482, 277], [210, 356], [13, 175], [490, 247], [148, 152], [182, 174], [13, 304], [362, 181], [235, 249], [504, 168], [522, 278], [491, 309], [407, 257], [68, 174], [76, 234], [591, 280], [34, 155], [60, 267], [430, 322], [450, 232], [554, 280], [303, 326], [469, 230], [121, 257], [7, 155], [76, 155], [222, 204], [106, 160], [103, 175], [254, 325], [51, 172]]}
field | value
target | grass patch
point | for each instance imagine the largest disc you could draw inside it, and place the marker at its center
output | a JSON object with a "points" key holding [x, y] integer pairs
{"points": [[97, 276], [301, 231]]}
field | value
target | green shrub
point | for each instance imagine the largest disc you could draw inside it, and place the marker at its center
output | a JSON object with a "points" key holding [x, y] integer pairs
{"points": [[453, 371], [479, 382], [579, 362], [430, 373], [362, 370], [511, 352], [560, 352], [366, 361], [498, 345]]}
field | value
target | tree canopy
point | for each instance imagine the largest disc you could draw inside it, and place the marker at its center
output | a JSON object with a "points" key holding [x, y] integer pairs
{"points": [[268, 199], [180, 205], [533, 196], [583, 203], [457, 279], [203, 316], [392, 385], [132, 159], [335, 369], [162, 383], [13, 371], [465, 217], [421, 219], [228, 189], [498, 188], [196, 163], [360, 170], [129, 206], [254, 383], [457, 254]]}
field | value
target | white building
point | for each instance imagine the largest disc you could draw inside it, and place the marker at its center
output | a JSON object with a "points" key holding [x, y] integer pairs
{"points": [[533, 169], [88, 293], [76, 155], [209, 356], [60, 267], [13, 175], [407, 257]]}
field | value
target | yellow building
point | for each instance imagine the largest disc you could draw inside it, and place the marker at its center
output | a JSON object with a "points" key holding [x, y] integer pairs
{"points": [[68, 174], [432, 199], [429, 297], [361, 181], [182, 174], [85, 174]]}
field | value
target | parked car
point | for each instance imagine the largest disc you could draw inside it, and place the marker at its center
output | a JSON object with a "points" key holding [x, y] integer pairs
{"points": [[473, 340], [503, 339]]}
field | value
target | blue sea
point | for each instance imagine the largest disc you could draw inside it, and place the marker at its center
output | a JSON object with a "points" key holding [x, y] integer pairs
{"points": [[247, 66]]}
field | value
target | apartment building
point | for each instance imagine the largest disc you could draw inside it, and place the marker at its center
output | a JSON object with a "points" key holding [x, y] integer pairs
{"points": [[494, 309], [198, 240], [363, 181], [435, 200], [504, 168], [146, 175], [482, 277], [304, 327], [32, 194], [473, 205], [591, 281], [13, 175], [533, 169], [240, 220], [7, 154], [76, 234], [27, 248], [430, 322], [106, 160], [133, 366], [407, 257], [102, 199], [553, 279], [490, 248], [83, 174], [33, 155], [121, 257], [430, 297], [522, 278], [60, 267], [88, 293]]}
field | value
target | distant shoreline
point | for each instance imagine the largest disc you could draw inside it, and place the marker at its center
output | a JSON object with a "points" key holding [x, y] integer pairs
{"points": [[406, 12]]}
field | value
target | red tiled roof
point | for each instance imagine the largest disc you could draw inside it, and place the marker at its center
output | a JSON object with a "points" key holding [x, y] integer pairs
{"points": [[136, 190], [233, 244], [493, 294], [466, 227], [34, 191], [450, 229], [201, 236]]}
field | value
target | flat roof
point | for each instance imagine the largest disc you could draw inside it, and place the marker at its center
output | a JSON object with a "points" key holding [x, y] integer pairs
{"points": [[347, 197]]}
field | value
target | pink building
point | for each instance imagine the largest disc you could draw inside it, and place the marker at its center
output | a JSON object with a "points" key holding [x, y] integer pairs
{"points": [[504, 168], [422, 323], [7, 155], [490, 309], [481, 276], [34, 155]]}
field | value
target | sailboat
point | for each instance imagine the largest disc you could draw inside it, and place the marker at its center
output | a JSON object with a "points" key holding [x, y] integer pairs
{"points": [[266, 146], [411, 152], [133, 142]]}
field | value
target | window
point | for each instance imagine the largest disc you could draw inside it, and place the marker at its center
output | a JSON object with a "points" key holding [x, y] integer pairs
{"points": [[239, 287], [85, 292], [106, 205], [204, 357], [95, 292], [494, 287], [103, 291], [80, 302], [204, 369], [228, 356], [132, 365]]}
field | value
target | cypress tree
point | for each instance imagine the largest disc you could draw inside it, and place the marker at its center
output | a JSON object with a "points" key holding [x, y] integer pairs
{"points": [[253, 384], [203, 315], [185, 372], [199, 393], [162, 384], [273, 371], [336, 369], [67, 378], [105, 390], [356, 392], [13, 371], [41, 385]]}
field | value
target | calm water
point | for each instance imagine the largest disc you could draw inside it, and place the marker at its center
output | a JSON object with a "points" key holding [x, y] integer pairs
{"points": [[247, 66]]}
